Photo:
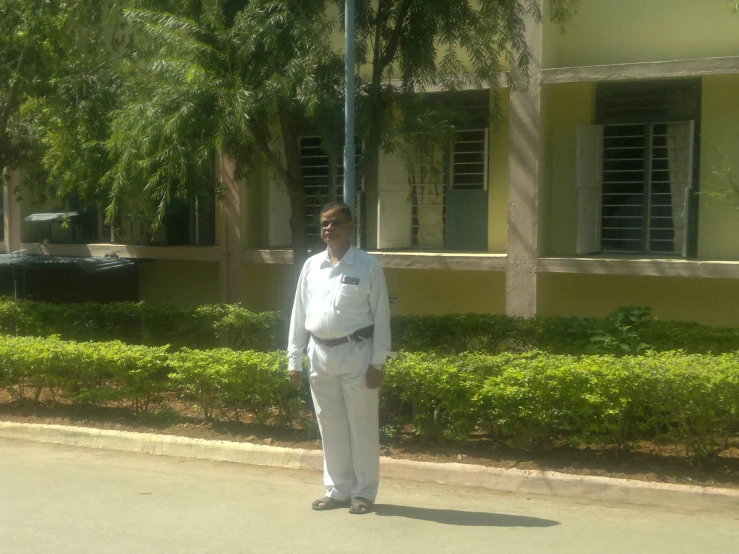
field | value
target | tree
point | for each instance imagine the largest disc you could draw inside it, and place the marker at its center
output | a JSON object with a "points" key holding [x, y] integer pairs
{"points": [[411, 45], [44, 45], [232, 77], [235, 78]]}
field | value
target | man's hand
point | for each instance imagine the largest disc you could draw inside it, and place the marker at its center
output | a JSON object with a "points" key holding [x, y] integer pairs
{"points": [[375, 376], [296, 379]]}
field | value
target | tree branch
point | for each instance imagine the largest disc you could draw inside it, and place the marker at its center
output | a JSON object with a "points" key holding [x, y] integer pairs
{"points": [[377, 48], [392, 44], [5, 116]]}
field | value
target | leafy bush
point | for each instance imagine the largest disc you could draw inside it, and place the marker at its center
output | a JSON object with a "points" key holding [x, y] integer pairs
{"points": [[618, 333], [627, 330], [208, 326], [91, 373], [531, 400], [232, 381], [528, 400]]}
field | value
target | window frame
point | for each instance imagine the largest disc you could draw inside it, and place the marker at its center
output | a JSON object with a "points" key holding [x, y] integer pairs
{"points": [[692, 88]]}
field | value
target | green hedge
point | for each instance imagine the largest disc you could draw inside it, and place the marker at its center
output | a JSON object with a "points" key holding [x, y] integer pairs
{"points": [[233, 382], [626, 331], [207, 326], [527, 400], [535, 399], [86, 373]]}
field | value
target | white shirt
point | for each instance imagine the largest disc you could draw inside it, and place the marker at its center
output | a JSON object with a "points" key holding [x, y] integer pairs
{"points": [[333, 302]]}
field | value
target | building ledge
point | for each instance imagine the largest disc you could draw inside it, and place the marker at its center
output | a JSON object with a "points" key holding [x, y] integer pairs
{"points": [[642, 267], [465, 261], [471, 261], [642, 70], [181, 253]]}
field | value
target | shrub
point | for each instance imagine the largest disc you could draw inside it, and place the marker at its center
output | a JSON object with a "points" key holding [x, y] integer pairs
{"points": [[208, 326], [528, 400], [91, 373], [627, 330], [232, 381], [533, 399]]}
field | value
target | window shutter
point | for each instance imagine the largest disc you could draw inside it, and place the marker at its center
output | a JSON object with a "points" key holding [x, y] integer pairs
{"points": [[393, 208], [589, 187], [688, 191], [278, 232]]}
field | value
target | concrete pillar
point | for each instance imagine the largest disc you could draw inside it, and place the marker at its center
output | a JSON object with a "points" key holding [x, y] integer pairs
{"points": [[230, 240], [12, 213], [523, 195]]}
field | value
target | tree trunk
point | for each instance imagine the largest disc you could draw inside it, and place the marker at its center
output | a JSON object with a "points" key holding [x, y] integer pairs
{"points": [[296, 190]]}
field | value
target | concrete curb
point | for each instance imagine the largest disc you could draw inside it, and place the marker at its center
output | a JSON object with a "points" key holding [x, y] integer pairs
{"points": [[461, 475]]}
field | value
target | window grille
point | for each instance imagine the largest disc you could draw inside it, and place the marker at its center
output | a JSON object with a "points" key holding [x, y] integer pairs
{"points": [[463, 164], [322, 177], [469, 157], [647, 173]]}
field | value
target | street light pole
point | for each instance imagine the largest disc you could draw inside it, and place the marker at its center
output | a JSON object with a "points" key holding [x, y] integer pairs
{"points": [[350, 189]]}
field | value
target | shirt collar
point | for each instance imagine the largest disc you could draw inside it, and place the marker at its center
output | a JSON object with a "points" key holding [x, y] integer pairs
{"points": [[347, 259]]}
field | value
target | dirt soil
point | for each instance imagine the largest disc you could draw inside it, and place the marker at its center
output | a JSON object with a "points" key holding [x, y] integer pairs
{"points": [[644, 461]]}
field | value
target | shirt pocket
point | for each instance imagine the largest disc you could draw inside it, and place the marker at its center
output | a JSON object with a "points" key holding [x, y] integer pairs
{"points": [[352, 296]]}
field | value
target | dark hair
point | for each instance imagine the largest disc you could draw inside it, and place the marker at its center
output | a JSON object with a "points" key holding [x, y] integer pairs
{"points": [[345, 210]]}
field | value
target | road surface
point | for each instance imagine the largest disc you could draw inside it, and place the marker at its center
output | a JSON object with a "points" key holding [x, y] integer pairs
{"points": [[59, 500]]}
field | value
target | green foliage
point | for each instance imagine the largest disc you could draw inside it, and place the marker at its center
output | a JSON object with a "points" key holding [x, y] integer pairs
{"points": [[231, 381], [533, 400], [55, 84], [627, 330], [84, 372], [528, 400], [234, 77], [618, 333], [206, 326]]}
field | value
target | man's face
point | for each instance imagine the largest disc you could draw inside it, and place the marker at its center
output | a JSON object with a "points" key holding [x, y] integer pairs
{"points": [[336, 229]]}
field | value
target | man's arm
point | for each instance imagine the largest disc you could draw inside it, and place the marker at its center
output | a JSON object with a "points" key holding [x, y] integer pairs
{"points": [[298, 337], [380, 308]]}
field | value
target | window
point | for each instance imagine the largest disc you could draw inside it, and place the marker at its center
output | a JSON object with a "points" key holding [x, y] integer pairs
{"points": [[436, 197], [185, 222], [323, 179], [440, 183], [636, 170]]}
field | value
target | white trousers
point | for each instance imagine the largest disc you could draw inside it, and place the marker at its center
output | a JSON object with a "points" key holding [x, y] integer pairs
{"points": [[347, 417]]}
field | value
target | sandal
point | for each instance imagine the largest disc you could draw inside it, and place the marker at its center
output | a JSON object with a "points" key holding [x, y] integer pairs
{"points": [[360, 505], [328, 503]]}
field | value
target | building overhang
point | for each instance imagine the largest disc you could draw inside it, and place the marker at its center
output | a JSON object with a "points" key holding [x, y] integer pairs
{"points": [[642, 70]]}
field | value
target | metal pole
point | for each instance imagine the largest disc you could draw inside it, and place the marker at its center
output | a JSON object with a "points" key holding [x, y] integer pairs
{"points": [[350, 190]]}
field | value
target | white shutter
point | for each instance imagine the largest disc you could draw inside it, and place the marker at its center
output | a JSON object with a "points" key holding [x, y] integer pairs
{"points": [[393, 208], [278, 227], [589, 182], [688, 191]]}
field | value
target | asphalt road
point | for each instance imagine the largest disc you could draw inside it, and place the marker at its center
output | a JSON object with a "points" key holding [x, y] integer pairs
{"points": [[59, 500]]}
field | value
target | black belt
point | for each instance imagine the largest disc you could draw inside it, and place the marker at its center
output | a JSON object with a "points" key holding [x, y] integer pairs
{"points": [[359, 335]]}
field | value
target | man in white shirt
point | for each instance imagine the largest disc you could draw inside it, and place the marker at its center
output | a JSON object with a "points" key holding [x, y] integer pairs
{"points": [[342, 315]]}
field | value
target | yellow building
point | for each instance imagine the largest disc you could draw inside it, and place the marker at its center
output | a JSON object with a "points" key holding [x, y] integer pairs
{"points": [[597, 188]]}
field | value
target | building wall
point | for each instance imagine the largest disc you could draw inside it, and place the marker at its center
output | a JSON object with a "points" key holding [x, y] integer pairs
{"points": [[718, 232], [563, 108], [609, 32], [709, 301], [419, 292], [179, 282], [267, 287]]}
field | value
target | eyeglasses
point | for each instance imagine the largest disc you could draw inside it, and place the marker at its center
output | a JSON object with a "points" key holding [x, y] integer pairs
{"points": [[326, 223]]}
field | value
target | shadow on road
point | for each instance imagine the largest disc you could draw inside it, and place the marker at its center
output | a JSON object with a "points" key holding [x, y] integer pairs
{"points": [[458, 517]]}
